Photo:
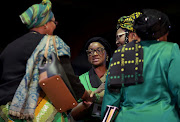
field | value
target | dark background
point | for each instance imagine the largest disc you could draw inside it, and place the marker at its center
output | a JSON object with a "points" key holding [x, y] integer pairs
{"points": [[79, 20]]}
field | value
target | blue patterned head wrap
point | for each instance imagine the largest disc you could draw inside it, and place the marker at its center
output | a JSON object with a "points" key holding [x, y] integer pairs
{"points": [[37, 15]]}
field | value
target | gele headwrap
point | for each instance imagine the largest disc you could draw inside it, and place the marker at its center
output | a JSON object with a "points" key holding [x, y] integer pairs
{"points": [[37, 15], [126, 22]]}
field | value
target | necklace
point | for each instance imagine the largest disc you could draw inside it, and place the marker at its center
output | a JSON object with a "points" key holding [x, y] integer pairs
{"points": [[34, 32]]}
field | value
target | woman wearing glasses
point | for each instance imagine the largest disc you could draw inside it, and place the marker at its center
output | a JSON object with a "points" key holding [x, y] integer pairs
{"points": [[125, 31], [150, 91], [98, 52]]}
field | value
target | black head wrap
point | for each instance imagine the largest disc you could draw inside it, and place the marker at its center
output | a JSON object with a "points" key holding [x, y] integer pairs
{"points": [[101, 40], [152, 24]]}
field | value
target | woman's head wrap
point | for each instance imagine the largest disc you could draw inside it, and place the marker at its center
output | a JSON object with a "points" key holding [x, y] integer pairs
{"points": [[126, 22], [102, 41], [37, 15], [152, 24]]}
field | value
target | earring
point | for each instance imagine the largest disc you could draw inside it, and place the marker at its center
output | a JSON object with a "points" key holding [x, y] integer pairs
{"points": [[45, 26], [134, 36], [107, 57]]}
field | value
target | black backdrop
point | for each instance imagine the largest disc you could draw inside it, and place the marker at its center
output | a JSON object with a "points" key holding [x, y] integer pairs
{"points": [[79, 20]]}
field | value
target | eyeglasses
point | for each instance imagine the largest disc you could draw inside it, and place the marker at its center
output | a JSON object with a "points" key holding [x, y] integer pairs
{"points": [[55, 22], [120, 35], [99, 51]]}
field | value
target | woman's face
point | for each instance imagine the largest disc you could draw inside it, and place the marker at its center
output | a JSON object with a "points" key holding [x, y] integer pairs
{"points": [[96, 54], [51, 26], [120, 37]]}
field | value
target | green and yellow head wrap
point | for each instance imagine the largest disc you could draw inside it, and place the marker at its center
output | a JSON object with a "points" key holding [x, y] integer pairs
{"points": [[37, 15], [126, 22]]}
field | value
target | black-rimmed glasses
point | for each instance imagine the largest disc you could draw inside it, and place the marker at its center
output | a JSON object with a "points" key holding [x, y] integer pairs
{"points": [[99, 51], [55, 22]]}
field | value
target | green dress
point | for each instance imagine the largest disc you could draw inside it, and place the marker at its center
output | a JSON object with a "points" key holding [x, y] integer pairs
{"points": [[85, 80], [158, 98]]}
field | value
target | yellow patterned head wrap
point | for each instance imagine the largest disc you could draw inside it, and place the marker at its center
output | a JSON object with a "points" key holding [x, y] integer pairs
{"points": [[126, 22]]}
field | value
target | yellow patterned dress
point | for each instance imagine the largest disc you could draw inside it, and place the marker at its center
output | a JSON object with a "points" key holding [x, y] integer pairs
{"points": [[45, 112]]}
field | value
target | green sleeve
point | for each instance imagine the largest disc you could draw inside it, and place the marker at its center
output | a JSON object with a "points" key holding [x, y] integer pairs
{"points": [[174, 73], [110, 98]]}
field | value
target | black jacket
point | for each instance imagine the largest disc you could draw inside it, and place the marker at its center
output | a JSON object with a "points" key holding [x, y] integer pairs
{"points": [[13, 61]]}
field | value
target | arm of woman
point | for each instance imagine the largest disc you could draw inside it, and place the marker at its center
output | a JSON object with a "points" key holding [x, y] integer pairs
{"points": [[77, 87], [173, 73]]}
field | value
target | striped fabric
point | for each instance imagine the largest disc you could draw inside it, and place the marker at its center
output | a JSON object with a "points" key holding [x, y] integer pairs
{"points": [[44, 112], [37, 15], [110, 114]]}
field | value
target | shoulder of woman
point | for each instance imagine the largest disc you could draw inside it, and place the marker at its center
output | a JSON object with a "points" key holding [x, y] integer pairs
{"points": [[84, 75]]}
